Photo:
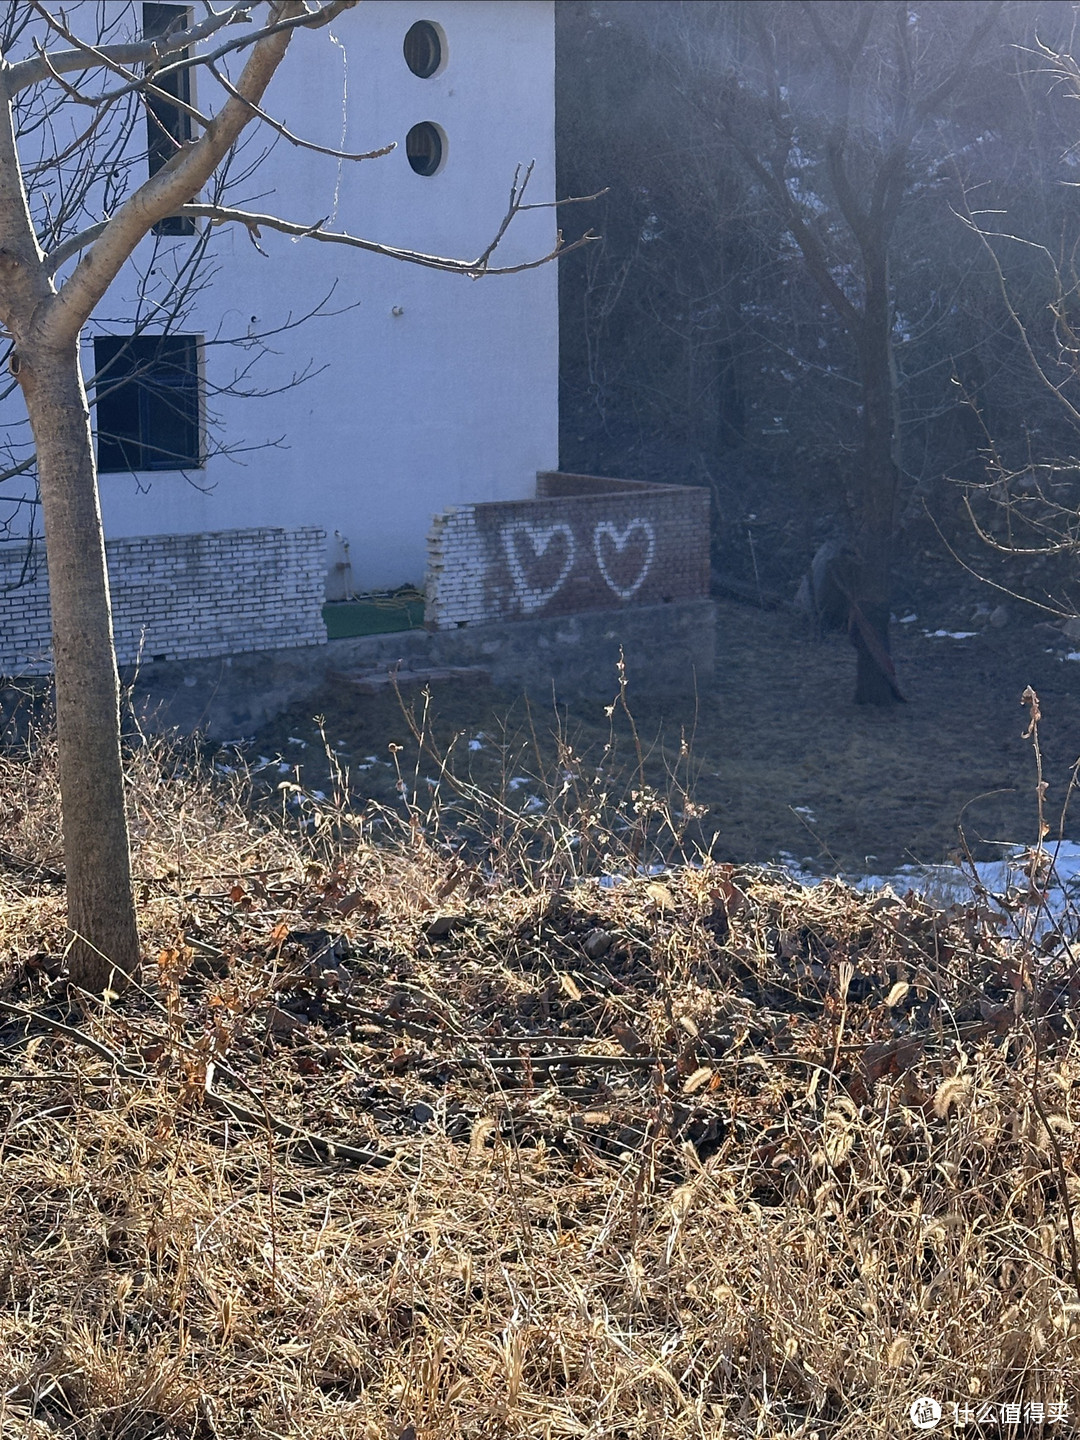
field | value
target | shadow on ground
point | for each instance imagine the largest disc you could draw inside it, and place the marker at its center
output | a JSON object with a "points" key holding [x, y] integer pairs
{"points": [[782, 760]]}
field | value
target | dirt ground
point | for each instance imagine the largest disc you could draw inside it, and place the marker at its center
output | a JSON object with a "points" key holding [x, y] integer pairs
{"points": [[782, 760]]}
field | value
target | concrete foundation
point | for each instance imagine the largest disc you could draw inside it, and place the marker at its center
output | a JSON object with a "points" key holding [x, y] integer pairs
{"points": [[669, 649]]}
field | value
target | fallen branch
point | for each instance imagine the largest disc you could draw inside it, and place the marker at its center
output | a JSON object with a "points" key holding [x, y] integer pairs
{"points": [[19, 865]]}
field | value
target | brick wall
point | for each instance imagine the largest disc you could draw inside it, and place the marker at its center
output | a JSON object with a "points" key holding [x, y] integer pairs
{"points": [[178, 597], [584, 543]]}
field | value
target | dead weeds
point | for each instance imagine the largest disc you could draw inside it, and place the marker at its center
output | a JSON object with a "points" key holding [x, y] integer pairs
{"points": [[399, 1140]]}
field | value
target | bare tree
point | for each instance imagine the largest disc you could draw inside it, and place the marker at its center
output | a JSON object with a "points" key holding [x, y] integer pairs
{"points": [[1027, 506], [104, 74], [835, 112]]}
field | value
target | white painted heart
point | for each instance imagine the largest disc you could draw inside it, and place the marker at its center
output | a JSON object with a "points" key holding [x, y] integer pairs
{"points": [[620, 539], [530, 596]]}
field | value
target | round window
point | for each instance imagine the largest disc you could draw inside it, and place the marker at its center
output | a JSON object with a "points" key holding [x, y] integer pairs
{"points": [[423, 49], [425, 146]]}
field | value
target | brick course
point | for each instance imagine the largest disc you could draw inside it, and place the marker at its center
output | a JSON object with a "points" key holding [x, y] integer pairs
{"points": [[584, 543], [180, 597]]}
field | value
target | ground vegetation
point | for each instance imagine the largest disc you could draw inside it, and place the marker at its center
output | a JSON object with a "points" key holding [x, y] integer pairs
{"points": [[394, 1139]]}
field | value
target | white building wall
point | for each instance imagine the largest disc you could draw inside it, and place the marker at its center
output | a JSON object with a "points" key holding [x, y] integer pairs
{"points": [[179, 597], [453, 400]]}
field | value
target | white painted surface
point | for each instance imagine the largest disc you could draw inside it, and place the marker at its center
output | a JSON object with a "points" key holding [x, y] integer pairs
{"points": [[582, 549], [180, 597], [531, 597], [438, 389], [620, 538]]}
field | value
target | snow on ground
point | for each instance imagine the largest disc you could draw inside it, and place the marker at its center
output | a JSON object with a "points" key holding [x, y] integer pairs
{"points": [[946, 885]]}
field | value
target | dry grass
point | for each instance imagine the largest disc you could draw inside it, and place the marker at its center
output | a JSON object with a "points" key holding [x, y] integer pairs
{"points": [[796, 1161]]}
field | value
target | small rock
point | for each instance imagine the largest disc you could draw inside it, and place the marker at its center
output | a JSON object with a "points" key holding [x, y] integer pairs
{"points": [[423, 1113], [597, 943], [999, 617], [439, 927], [1071, 628], [285, 1022]]}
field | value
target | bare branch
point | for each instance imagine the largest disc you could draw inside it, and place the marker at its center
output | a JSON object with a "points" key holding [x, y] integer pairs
{"points": [[934, 98], [809, 243], [255, 223], [516, 193], [144, 84], [69, 90], [1061, 614], [20, 469], [984, 237], [25, 73], [62, 316], [567, 200], [226, 84], [309, 20], [843, 58]]}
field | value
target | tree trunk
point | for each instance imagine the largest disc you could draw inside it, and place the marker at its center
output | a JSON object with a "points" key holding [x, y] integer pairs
{"points": [[875, 681], [104, 952]]}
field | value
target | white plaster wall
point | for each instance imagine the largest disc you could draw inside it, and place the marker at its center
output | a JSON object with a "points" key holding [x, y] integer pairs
{"points": [[454, 400]]}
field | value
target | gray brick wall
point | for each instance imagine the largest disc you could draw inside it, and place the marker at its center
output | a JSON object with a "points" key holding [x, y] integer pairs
{"points": [[584, 543], [180, 596]]}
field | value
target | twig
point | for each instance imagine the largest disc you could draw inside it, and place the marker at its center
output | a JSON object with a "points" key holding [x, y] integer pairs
{"points": [[226, 84], [32, 1078], [30, 868], [579, 1061], [1031, 700], [328, 1149]]}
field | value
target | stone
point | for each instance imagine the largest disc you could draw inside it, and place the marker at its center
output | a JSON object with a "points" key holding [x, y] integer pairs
{"points": [[597, 943]]}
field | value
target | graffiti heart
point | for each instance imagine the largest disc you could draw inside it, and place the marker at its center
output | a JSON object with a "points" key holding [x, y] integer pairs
{"points": [[525, 544], [620, 539]]}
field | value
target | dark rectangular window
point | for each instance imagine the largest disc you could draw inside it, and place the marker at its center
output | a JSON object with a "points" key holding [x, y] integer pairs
{"points": [[147, 402], [167, 125]]}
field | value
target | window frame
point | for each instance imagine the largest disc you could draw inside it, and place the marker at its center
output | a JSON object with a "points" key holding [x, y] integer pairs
{"points": [[138, 374], [165, 122], [435, 37], [430, 131]]}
